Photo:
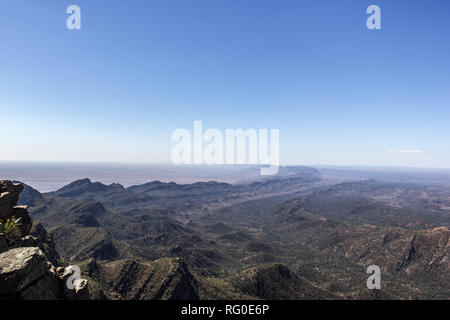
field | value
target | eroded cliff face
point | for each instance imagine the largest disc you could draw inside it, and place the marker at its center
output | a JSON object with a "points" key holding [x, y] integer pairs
{"points": [[25, 270]]}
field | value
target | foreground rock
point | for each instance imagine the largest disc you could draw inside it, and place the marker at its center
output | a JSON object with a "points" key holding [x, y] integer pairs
{"points": [[26, 274], [19, 268]]}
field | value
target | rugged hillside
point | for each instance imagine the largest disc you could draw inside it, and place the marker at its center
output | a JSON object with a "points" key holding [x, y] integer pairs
{"points": [[76, 243], [418, 252], [381, 203], [277, 282], [418, 258], [164, 279], [329, 237], [170, 279]]}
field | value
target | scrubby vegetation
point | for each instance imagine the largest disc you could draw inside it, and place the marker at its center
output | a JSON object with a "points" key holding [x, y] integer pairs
{"points": [[11, 230]]}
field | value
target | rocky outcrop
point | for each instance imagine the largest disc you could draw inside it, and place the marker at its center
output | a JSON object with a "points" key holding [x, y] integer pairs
{"points": [[25, 270], [15, 222], [26, 274], [20, 213], [9, 195], [21, 267]]}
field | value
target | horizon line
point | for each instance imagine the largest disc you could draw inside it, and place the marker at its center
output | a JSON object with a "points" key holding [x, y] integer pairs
{"points": [[170, 164]]}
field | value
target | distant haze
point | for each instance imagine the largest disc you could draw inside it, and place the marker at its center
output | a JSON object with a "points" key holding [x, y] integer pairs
{"points": [[47, 176]]}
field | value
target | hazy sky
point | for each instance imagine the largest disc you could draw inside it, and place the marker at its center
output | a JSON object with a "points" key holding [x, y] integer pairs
{"points": [[137, 70]]}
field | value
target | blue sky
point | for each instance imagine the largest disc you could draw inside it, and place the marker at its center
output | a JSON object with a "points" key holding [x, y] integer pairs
{"points": [[137, 70]]}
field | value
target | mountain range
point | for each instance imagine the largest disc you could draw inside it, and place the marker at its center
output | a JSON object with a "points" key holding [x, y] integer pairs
{"points": [[298, 235]]}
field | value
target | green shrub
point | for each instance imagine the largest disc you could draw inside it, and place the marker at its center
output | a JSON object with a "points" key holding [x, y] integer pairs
{"points": [[11, 230]]}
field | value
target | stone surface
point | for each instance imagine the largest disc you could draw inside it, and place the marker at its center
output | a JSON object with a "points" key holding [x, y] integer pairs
{"points": [[21, 212], [19, 268], [46, 288]]}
